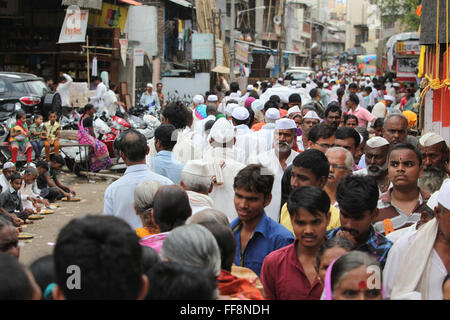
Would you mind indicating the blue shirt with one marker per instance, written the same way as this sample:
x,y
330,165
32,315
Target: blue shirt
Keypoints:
x,y
268,236
166,165
376,245
119,196
151,101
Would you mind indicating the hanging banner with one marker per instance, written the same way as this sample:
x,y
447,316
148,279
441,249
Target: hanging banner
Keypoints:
x,y
74,25
202,46
270,63
123,50
138,57
241,52
219,52
111,16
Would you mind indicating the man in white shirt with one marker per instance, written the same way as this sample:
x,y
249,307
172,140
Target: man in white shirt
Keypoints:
x,y
196,180
8,169
150,99
277,159
265,134
419,262
65,82
110,100
100,90
221,160
120,194
246,139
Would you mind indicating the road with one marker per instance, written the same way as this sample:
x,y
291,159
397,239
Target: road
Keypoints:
x,y
46,231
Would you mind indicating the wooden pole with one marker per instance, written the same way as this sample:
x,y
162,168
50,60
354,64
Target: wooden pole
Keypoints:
x,y
88,66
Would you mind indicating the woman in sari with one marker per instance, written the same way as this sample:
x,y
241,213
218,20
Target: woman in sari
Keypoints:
x,y
19,143
408,101
99,158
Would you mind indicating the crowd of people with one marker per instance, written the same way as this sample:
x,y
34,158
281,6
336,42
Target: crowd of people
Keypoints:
x,y
326,194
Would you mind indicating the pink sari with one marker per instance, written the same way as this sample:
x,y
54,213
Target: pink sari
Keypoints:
x,y
98,159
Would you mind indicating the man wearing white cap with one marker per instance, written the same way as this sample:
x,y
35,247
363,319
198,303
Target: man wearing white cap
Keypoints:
x,y
196,180
309,120
435,155
245,138
265,135
393,91
8,169
376,151
381,109
419,262
197,100
213,98
150,99
277,159
220,157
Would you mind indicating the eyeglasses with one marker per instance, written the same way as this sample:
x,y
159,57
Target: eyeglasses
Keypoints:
x,y
338,166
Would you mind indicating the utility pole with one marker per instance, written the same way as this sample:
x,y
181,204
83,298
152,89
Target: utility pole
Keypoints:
x,y
232,52
280,44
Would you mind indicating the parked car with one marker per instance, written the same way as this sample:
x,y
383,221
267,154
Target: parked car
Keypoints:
x,y
298,74
27,92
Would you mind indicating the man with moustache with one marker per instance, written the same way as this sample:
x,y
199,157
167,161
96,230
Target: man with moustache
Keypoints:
x,y
277,159
309,120
376,152
435,156
333,115
399,206
341,164
357,197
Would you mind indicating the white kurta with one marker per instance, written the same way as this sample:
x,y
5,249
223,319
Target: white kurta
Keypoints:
x,y
223,195
437,273
270,160
246,141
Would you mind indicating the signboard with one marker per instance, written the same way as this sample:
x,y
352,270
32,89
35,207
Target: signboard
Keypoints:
x,y
93,4
407,48
219,52
406,69
74,25
123,50
138,57
202,46
241,51
111,16
142,28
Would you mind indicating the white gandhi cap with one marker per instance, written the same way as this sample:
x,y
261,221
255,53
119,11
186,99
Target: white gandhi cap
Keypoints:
x,y
377,142
197,168
429,139
285,124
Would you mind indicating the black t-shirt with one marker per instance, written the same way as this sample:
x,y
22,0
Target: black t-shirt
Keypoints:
x,y
88,122
41,180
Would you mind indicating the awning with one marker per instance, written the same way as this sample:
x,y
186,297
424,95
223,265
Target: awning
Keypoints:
x,y
132,2
183,3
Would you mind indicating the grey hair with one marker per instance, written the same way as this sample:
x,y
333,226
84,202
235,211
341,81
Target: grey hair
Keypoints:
x,y
209,215
348,262
196,183
31,171
349,161
395,113
193,245
144,194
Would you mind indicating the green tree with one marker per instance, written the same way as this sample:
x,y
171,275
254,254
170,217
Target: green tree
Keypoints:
x,y
399,10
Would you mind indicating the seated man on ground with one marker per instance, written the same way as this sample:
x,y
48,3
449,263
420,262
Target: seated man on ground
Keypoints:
x,y
11,204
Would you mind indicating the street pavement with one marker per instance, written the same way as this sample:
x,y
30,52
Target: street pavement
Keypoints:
x,y
45,231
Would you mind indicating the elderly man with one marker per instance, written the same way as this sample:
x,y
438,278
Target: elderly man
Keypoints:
x,y
399,205
419,262
8,169
341,165
29,192
435,156
196,180
309,120
277,159
120,194
221,159
376,151
150,99
396,129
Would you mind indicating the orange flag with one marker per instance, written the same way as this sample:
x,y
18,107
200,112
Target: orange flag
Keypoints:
x,y
419,10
